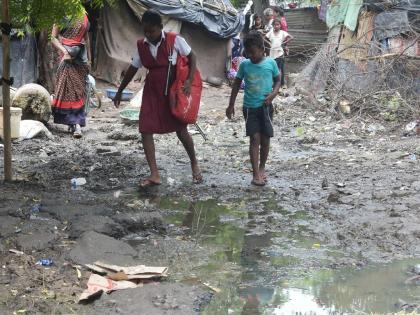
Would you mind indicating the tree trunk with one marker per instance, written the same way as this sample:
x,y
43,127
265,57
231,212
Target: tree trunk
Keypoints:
x,y
260,6
6,95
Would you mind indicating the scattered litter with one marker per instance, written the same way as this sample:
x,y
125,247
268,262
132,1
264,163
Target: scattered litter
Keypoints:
x,y
118,278
78,272
45,262
411,126
344,107
317,245
117,194
412,157
17,252
35,210
171,181
373,128
131,273
217,290
98,284
75,182
290,100
32,128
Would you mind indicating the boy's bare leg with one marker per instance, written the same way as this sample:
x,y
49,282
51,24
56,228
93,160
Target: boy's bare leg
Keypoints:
x,y
254,152
149,151
188,143
264,150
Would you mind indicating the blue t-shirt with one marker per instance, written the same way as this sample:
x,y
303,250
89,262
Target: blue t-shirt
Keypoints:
x,y
258,80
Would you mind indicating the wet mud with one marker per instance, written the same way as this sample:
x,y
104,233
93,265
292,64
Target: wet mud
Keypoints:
x,y
335,231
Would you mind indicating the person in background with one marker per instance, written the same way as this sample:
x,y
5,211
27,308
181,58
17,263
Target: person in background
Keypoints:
x,y
279,13
269,17
155,113
72,42
278,39
237,46
257,24
262,83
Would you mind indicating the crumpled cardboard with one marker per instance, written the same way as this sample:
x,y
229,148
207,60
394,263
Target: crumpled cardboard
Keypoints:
x,y
115,277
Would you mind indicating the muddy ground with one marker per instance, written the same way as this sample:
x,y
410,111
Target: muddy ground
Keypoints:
x,y
350,186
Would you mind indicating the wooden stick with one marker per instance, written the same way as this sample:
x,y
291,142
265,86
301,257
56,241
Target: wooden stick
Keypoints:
x,y
6,96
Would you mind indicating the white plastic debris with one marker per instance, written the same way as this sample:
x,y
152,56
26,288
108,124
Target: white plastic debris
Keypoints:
x,y
32,128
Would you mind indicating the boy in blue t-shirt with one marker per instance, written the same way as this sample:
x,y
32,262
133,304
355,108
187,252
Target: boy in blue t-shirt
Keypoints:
x,y
262,84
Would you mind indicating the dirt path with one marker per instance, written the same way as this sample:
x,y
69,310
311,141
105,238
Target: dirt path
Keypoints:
x,y
341,193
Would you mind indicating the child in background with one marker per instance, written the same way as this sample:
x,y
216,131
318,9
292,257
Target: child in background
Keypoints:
x,y
257,24
278,39
279,14
262,84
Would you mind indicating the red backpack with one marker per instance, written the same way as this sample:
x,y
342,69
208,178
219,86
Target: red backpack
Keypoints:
x,y
184,108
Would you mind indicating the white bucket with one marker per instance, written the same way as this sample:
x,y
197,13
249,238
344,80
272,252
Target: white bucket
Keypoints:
x,y
15,115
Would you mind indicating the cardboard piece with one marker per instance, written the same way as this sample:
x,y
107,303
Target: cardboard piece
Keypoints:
x,y
98,284
128,273
117,278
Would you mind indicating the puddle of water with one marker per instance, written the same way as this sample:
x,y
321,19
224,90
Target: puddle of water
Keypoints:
x,y
267,273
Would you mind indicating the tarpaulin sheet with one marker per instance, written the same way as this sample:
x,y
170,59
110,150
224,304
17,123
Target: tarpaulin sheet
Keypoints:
x,y
23,62
221,24
118,32
381,5
344,11
119,29
390,24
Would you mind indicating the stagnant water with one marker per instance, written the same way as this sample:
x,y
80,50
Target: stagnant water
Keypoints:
x,y
261,270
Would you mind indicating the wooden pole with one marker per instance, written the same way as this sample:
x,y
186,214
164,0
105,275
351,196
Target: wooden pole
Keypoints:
x,y
6,95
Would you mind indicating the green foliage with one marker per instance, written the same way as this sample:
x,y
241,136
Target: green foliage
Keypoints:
x,y
239,3
42,14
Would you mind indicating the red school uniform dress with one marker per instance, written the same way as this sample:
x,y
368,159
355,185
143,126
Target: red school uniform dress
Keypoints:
x,y
155,113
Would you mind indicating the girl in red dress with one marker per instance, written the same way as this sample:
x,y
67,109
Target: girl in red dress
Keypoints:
x,y
155,113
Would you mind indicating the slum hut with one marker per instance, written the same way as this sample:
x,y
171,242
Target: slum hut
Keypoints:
x,y
207,25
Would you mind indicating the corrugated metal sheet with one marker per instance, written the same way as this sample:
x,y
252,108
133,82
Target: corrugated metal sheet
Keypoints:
x,y
308,30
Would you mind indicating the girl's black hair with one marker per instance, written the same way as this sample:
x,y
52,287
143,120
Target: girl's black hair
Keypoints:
x,y
253,39
152,17
279,11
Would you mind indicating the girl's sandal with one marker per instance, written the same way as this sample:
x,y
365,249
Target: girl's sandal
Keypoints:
x,y
77,134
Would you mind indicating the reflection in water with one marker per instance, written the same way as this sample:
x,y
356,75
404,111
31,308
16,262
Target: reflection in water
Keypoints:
x,y
250,267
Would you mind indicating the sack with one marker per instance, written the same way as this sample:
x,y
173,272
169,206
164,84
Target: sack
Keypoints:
x,y
184,108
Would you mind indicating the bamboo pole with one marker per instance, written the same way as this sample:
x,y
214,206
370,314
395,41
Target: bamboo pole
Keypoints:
x,y
6,96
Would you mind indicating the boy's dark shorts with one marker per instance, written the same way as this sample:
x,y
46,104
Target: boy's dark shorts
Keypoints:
x,y
259,120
